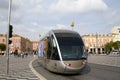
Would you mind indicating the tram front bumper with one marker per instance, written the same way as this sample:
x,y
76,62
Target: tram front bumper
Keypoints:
x,y
71,70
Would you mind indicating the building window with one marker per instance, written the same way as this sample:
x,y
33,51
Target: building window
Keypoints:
x,y
3,40
90,45
94,45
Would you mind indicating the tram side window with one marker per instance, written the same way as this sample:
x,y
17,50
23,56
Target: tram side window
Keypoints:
x,y
55,55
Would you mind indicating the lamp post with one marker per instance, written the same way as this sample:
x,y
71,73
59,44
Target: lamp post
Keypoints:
x,y
96,43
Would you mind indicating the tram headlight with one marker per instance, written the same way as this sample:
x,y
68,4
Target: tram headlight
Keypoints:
x,y
84,62
68,64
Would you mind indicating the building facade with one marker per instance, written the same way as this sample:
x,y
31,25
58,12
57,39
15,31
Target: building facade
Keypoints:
x,y
19,43
95,42
2,41
115,31
2,38
35,45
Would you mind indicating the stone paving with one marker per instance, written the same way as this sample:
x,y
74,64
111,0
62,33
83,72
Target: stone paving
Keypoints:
x,y
18,68
110,60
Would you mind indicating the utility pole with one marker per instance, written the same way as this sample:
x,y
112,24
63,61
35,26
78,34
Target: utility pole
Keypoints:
x,y
7,48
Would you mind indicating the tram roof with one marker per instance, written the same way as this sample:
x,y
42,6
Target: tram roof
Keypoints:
x,y
63,31
59,31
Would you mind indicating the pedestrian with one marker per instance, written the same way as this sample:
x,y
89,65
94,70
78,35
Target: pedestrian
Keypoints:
x,y
26,54
16,53
22,54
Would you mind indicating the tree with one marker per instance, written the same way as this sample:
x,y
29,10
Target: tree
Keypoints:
x,y
112,45
108,46
2,47
116,45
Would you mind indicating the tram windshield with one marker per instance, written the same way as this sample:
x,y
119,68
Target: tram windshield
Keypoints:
x,y
71,46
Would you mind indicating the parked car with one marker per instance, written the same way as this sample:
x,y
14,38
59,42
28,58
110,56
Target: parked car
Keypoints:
x,y
115,52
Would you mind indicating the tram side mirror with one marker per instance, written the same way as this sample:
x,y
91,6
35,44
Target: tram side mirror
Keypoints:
x,y
84,56
47,37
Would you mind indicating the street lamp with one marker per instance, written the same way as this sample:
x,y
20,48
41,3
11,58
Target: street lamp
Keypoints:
x,y
73,24
39,35
96,43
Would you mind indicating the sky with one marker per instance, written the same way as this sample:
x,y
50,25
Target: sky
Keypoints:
x,y
31,18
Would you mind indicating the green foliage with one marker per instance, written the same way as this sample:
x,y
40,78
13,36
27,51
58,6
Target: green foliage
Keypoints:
x,y
108,46
2,47
115,45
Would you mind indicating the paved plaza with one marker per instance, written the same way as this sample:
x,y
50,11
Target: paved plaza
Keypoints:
x,y
18,68
110,60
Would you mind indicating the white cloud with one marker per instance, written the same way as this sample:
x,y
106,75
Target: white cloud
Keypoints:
x,y
37,9
61,26
26,31
32,7
58,26
78,6
34,23
33,17
3,27
113,17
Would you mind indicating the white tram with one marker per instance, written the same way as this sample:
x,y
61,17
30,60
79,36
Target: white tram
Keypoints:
x,y
62,51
